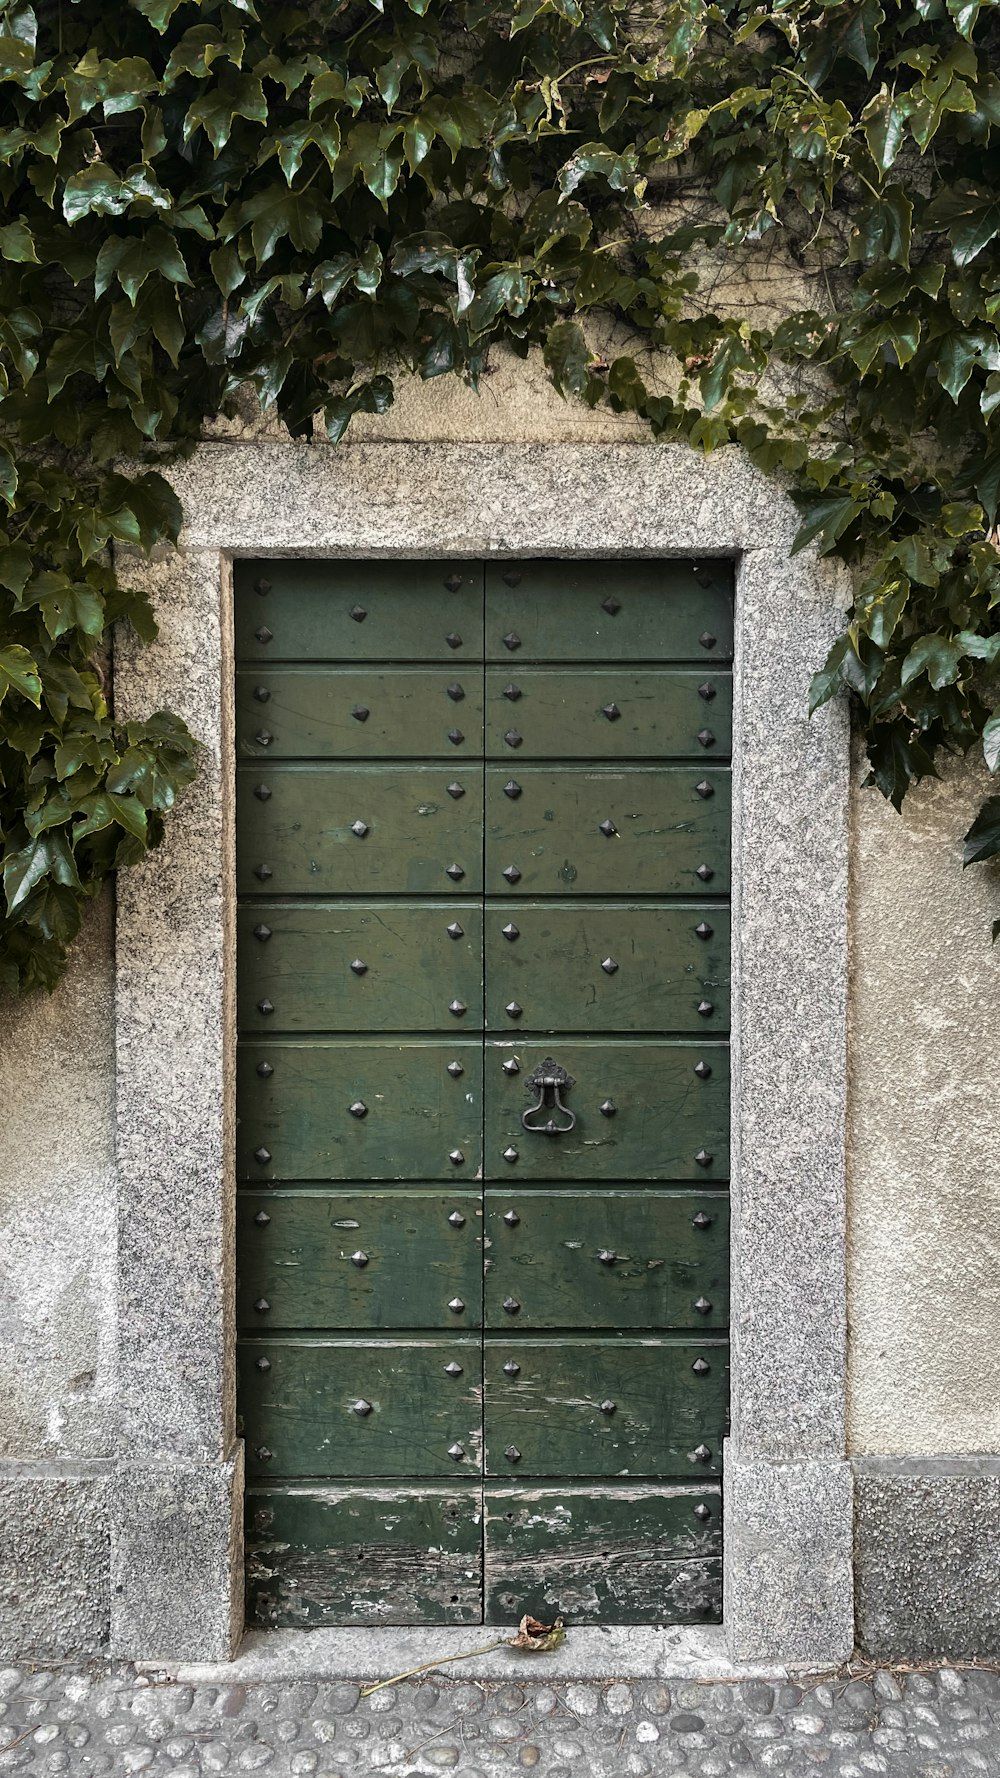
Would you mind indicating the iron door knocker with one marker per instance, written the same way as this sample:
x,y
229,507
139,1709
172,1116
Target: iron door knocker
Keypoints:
x,y
549,1081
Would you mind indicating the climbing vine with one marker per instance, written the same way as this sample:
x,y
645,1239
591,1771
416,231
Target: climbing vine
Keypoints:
x,y
308,200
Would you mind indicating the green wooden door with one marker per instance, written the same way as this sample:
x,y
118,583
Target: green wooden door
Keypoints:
x,y
483,864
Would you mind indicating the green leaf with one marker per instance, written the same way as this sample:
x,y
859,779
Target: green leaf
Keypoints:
x,y
983,838
885,124
215,111
271,215
17,243
48,855
155,252
568,357
988,484
19,672
991,743
825,517
8,475
937,656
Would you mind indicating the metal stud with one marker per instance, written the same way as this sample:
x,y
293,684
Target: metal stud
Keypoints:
x,y
453,639
609,1407
512,1368
361,1407
703,930
262,586
265,1006
512,576
262,1305
262,792
263,1453
706,737
456,692
263,872
359,1259
703,1158
701,1221
359,967
706,692
606,1257
512,789
456,737
457,1008
453,1369
705,872
703,1306
705,789
511,1306
262,1156
512,693
513,1009
264,634
611,605
263,1364
706,640
513,737
511,1218
262,933
611,711
457,1453
358,1108
512,1454
702,1512
701,574
512,874
456,1305
456,790
609,966
455,872
701,1454
607,1108
261,693
359,829
702,1070
608,829
358,613
511,932
453,583
456,1157
701,1367
456,1070
262,1219
512,1065
361,712
263,737
455,930
265,1070
457,1220
705,1009
512,641
510,1154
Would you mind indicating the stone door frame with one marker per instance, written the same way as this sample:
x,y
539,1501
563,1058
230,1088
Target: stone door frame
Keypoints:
x,y
177,1556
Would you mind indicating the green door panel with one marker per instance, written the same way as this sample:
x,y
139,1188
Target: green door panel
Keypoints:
x,y
581,966
410,832
555,611
358,1259
663,1114
605,713
409,613
418,960
379,1408
550,832
592,1407
296,1121
363,1555
604,1555
608,1258
319,713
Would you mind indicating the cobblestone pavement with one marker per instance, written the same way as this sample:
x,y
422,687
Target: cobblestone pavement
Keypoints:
x,y
94,1719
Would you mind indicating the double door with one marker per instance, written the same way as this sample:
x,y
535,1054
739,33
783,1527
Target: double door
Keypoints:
x,y
482,1099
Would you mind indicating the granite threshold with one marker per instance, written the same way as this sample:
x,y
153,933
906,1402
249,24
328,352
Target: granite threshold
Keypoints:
x,y
595,1652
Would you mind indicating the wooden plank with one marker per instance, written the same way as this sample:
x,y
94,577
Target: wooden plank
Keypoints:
x,y
300,1410
316,713
669,967
556,611
606,1258
420,959
660,1413
664,1113
603,1555
303,834
362,1259
662,830
409,611
402,1555
608,712
417,1113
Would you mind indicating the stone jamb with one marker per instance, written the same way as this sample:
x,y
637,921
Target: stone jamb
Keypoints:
x,y
177,1554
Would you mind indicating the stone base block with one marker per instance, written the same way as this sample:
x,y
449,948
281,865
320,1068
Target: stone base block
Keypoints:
x,y
53,1560
928,1557
177,1560
788,1592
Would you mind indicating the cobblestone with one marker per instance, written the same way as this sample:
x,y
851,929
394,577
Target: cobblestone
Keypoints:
x,y
98,1720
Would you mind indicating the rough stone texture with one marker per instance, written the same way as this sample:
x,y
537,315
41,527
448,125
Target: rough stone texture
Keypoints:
x,y
928,1557
177,1559
787,1579
53,1559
